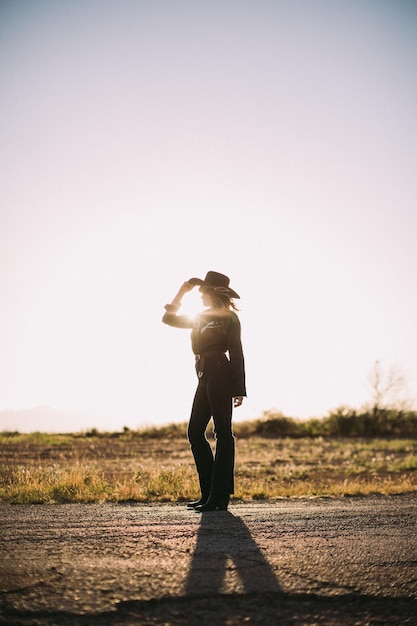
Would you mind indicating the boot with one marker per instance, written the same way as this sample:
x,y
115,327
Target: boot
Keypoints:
x,y
214,503
194,503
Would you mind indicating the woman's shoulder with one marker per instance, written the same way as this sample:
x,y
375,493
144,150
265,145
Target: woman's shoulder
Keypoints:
x,y
234,319
231,323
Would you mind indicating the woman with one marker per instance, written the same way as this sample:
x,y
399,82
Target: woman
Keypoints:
x,y
216,343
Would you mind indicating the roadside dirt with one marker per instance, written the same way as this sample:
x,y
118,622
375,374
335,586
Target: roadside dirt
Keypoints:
x,y
288,562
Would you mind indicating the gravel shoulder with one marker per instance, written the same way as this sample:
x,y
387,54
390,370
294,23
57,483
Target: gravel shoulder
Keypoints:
x,y
307,561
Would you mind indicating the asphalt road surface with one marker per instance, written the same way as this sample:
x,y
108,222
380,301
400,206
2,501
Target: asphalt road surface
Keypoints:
x,y
349,561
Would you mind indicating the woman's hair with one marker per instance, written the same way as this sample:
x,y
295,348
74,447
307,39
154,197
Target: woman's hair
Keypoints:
x,y
221,301
222,306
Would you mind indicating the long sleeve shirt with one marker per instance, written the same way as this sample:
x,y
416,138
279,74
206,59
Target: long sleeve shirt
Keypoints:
x,y
213,333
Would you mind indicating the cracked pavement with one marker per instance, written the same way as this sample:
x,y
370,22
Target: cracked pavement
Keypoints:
x,y
307,561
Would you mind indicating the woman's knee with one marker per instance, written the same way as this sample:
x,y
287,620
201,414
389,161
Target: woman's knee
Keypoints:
x,y
223,431
196,434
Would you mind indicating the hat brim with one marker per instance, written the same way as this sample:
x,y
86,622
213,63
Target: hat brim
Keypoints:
x,y
226,290
232,293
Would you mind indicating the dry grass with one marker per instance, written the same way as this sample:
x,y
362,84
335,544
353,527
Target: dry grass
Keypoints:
x,y
158,466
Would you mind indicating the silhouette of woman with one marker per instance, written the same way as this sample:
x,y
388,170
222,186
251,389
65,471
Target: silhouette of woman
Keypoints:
x,y
216,343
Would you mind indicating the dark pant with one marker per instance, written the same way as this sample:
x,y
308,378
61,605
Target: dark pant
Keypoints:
x,y
213,399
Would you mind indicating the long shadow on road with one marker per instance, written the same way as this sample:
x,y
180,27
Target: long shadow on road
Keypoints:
x,y
225,549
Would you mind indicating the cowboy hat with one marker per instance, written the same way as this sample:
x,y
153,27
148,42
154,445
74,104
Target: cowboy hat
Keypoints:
x,y
216,281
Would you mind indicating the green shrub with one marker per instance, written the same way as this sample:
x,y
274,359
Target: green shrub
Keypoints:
x,y
347,422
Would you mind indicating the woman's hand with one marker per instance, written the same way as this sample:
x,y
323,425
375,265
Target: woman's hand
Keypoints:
x,y
187,287
237,401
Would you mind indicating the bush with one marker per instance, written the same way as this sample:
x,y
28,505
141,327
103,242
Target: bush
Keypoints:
x,y
343,421
347,422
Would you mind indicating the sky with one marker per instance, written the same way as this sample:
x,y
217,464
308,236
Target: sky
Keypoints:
x,y
145,142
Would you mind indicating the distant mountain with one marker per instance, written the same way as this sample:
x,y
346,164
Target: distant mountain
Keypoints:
x,y
46,419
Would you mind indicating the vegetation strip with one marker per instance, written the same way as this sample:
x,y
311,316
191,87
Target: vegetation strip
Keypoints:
x,y
275,459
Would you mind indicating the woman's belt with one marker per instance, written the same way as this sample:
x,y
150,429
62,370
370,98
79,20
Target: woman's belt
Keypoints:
x,y
201,358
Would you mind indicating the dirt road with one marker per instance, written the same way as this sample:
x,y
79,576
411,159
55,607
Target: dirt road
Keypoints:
x,y
320,561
